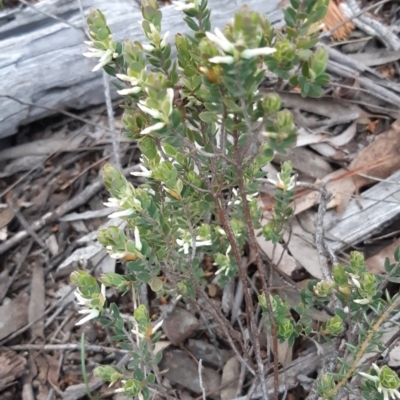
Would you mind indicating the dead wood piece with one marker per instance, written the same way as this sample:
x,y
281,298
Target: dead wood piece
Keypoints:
x,y
303,365
12,367
380,205
33,44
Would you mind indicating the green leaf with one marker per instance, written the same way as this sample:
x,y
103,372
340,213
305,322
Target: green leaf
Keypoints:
x,y
191,24
290,17
315,91
295,4
322,79
339,312
208,116
397,254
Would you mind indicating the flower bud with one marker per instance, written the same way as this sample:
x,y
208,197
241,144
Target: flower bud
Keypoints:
x,y
272,103
333,326
324,288
285,329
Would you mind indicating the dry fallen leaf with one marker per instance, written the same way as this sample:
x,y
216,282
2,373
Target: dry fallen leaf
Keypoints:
x,y
13,315
37,300
12,366
383,155
376,263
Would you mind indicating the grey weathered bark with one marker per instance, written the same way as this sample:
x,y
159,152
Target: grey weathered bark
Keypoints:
x,y
41,58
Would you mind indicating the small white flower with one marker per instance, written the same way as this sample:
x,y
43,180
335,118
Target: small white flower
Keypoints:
x,y
185,242
148,47
261,51
184,246
393,393
145,172
221,41
182,6
104,60
94,313
83,301
133,90
133,81
154,113
138,243
123,213
94,53
363,301
153,128
112,203
164,40
170,95
222,60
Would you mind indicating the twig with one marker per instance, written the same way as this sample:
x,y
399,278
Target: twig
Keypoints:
x,y
319,226
349,19
66,113
50,15
203,391
78,200
66,346
371,25
10,281
111,122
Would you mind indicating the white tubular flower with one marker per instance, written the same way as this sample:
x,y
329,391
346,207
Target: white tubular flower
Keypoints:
x,y
133,90
262,51
123,213
133,81
145,172
222,60
104,60
164,40
154,113
94,53
363,301
182,6
227,47
152,128
184,246
387,382
89,310
92,314
221,41
148,47
112,202
170,95
185,242
138,243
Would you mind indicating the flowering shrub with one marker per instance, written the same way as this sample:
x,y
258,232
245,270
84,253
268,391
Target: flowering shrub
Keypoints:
x,y
205,132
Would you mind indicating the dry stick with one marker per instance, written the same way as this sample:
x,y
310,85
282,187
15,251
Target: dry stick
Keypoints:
x,y
388,37
259,262
349,19
111,122
331,361
66,113
80,199
66,346
203,390
24,254
50,15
